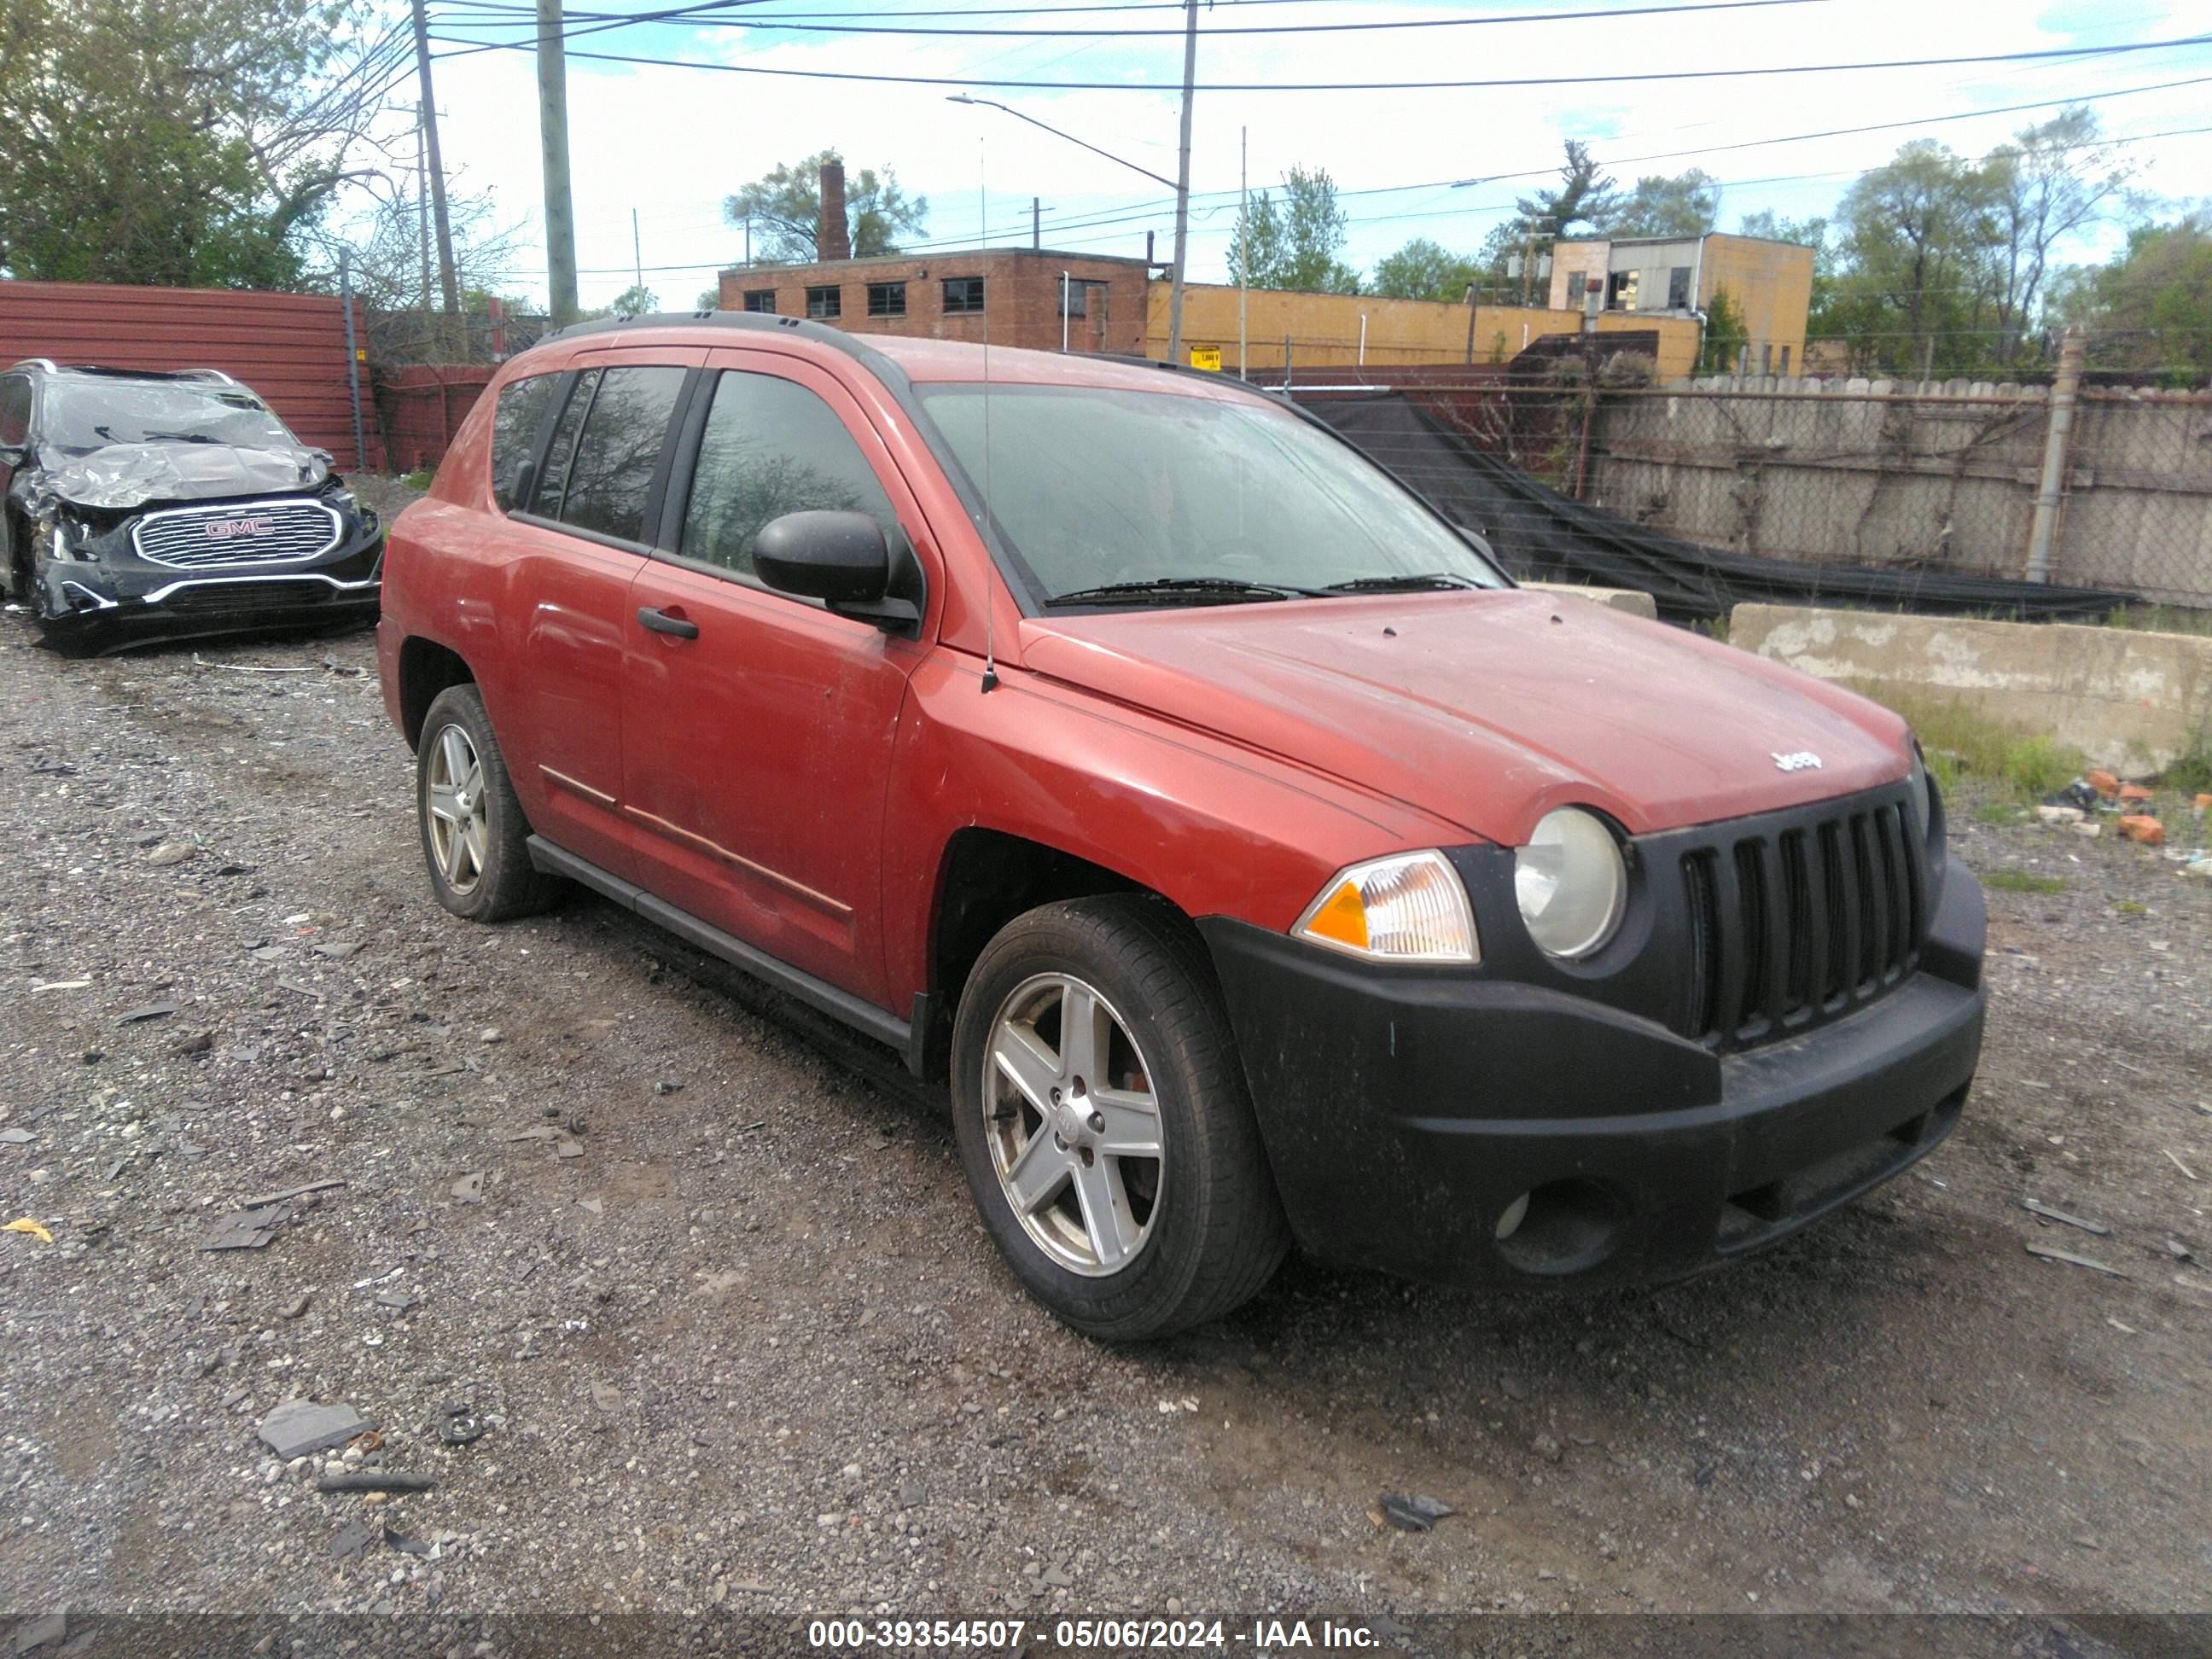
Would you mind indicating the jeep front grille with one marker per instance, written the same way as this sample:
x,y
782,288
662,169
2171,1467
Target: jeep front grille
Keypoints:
x,y
1796,923
289,531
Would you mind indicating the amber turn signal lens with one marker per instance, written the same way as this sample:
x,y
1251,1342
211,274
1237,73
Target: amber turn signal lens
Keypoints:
x,y
1410,906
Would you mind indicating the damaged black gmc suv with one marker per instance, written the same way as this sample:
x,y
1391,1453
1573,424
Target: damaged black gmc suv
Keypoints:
x,y
142,507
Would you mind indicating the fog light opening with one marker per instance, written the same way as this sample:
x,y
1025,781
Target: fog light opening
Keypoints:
x,y
1561,1227
1509,1221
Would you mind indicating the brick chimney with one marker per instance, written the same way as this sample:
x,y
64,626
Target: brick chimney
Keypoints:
x,y
832,241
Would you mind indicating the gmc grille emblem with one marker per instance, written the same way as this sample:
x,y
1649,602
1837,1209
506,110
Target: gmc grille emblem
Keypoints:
x,y
1803,759
221,530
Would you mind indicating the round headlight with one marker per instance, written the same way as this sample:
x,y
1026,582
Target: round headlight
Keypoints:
x,y
1571,883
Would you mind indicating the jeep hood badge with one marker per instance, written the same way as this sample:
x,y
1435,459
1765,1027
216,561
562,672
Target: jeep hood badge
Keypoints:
x,y
1802,760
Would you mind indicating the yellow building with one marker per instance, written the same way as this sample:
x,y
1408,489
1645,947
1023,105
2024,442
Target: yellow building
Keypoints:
x,y
1769,285
1340,329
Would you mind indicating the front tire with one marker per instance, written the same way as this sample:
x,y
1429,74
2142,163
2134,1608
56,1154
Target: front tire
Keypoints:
x,y
475,838
1103,1124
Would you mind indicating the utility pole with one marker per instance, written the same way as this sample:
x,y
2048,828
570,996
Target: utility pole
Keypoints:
x,y
1037,226
448,286
422,217
2051,485
1182,183
636,249
553,144
1243,241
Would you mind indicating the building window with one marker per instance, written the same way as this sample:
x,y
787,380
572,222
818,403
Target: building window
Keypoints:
x,y
1678,288
1785,359
826,302
760,299
887,299
1765,359
1074,299
1621,291
964,294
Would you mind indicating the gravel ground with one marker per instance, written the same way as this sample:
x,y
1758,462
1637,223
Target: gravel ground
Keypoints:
x,y
715,1296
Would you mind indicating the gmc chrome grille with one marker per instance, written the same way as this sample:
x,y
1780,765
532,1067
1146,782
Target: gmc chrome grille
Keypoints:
x,y
1796,924
238,533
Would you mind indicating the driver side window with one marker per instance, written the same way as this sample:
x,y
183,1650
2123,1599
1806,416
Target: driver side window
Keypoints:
x,y
14,409
771,446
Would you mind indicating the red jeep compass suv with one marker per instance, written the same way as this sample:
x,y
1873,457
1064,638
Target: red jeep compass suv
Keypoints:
x,y
1255,861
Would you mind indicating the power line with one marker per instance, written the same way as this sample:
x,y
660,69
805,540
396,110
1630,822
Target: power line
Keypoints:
x,y
466,48
772,22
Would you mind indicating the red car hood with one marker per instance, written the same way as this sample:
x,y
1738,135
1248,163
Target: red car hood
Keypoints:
x,y
1487,710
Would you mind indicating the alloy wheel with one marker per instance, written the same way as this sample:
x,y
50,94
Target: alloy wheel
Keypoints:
x,y
1072,1124
456,802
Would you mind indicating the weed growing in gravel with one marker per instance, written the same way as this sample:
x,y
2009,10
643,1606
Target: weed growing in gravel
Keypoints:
x,y
1959,740
2020,881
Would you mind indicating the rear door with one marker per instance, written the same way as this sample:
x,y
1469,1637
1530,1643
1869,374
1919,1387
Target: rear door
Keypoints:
x,y
575,545
757,738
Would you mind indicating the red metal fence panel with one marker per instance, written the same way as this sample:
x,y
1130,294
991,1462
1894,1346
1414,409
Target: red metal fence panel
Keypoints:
x,y
290,348
421,406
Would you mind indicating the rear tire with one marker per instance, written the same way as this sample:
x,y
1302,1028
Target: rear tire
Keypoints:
x,y
475,838
1089,1031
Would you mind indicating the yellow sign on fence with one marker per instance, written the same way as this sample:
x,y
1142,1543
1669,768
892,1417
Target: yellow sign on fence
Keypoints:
x,y
1207,357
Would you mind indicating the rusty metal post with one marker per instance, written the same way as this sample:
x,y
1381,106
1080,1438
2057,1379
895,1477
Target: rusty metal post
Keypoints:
x,y
2057,443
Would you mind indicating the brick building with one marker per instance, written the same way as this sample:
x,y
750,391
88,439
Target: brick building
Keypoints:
x,y
1013,292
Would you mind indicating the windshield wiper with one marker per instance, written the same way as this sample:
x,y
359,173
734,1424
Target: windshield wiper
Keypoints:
x,y
179,438
1420,582
1169,587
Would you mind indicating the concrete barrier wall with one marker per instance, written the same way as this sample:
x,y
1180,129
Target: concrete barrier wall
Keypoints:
x,y
2133,700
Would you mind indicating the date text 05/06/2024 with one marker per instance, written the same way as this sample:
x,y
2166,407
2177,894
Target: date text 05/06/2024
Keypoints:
x,y
1256,1635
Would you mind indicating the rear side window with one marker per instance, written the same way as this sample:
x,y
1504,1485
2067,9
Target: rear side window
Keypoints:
x,y
553,477
14,408
620,445
771,447
522,409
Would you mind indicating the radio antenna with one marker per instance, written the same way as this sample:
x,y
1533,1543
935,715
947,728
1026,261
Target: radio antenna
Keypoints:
x,y
990,591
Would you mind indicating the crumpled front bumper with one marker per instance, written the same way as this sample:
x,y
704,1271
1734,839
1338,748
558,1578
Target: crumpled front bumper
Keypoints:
x,y
115,598
1407,1113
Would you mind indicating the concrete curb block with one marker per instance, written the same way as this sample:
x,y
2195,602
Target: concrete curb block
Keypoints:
x,y
2133,700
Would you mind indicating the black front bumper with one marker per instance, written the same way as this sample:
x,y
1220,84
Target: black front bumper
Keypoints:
x,y
1405,1111
115,600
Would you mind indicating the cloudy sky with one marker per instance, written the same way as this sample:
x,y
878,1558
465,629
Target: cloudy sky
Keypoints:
x,y
671,142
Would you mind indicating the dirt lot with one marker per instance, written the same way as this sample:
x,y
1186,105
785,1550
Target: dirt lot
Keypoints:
x,y
736,1341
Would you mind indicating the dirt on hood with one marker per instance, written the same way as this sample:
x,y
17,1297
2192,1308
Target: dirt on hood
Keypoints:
x,y
146,475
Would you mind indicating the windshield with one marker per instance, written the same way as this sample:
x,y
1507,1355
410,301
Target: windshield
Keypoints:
x,y
1164,498
91,414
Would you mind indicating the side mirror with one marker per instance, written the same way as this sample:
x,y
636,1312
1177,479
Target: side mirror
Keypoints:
x,y
14,454
842,559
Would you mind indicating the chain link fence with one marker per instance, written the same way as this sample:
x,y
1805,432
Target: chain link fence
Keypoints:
x,y
1931,483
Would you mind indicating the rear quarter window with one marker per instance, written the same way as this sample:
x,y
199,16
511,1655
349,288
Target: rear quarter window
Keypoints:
x,y
523,405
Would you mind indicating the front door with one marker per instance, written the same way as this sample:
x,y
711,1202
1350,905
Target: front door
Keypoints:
x,y
759,728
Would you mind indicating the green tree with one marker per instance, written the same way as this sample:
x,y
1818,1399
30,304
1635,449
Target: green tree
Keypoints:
x,y
2150,309
1686,205
1297,244
1915,241
784,206
1423,269
1725,335
2050,183
180,142
637,300
1517,249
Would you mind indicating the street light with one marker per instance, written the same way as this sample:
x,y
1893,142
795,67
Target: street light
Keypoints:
x,y
993,103
1182,191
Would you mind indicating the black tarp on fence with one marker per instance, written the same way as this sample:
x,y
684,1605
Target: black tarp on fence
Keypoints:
x,y
1542,536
